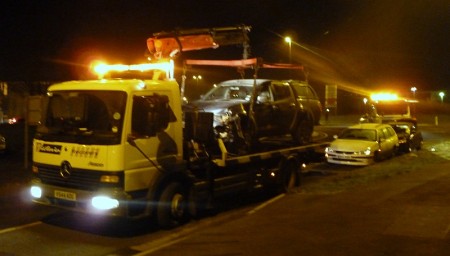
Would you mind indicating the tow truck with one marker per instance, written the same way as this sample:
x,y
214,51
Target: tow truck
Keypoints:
x,y
385,107
125,147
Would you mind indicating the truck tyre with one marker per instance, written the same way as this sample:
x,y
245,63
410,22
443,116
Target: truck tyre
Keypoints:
x,y
290,177
172,208
303,131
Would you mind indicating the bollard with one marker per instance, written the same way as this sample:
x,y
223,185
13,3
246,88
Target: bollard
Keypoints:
x,y
436,120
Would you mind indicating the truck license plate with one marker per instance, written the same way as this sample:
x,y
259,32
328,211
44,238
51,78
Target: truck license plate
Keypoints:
x,y
65,195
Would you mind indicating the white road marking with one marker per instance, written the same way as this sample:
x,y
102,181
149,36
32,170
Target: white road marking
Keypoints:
x,y
259,207
11,229
156,245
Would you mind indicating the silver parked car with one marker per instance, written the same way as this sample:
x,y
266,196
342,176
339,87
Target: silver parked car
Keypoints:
x,y
363,144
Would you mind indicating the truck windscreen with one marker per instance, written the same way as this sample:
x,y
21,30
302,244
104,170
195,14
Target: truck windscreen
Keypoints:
x,y
85,117
397,108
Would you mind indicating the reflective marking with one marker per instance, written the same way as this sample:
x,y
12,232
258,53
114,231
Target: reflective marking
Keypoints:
x,y
6,230
259,207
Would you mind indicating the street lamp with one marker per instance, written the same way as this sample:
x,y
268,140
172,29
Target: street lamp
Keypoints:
x,y
413,90
442,94
196,78
289,41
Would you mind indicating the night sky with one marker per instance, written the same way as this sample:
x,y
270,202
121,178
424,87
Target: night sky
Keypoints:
x,y
372,44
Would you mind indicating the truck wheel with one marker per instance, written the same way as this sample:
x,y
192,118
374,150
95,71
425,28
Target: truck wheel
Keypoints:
x,y
290,179
172,208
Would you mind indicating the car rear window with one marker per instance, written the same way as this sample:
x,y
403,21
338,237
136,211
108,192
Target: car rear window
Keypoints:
x,y
304,91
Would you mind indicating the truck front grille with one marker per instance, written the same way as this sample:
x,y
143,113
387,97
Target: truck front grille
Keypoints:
x,y
78,178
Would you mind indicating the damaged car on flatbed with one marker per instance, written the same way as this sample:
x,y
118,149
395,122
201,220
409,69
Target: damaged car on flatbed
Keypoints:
x,y
247,110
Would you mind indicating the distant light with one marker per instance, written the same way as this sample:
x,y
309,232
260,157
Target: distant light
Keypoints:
x,y
442,94
288,40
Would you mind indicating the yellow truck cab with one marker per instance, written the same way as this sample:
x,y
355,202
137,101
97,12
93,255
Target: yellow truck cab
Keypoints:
x,y
82,156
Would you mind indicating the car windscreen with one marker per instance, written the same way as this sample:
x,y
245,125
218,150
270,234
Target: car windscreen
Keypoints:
x,y
229,93
359,134
400,108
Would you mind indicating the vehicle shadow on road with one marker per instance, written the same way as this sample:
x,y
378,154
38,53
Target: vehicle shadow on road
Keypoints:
x,y
101,225
120,227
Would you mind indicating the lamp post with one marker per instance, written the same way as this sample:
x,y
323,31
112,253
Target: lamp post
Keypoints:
x,y
413,90
289,41
442,94
196,78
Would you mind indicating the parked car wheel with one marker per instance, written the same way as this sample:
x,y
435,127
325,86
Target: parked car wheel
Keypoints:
x,y
376,157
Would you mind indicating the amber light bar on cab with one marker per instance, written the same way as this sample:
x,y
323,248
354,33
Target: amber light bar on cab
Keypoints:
x,y
101,69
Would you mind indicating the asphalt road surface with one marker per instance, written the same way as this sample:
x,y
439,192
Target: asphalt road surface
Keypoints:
x,y
395,207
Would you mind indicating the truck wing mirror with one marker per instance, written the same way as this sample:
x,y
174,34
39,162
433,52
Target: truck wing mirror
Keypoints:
x,y
151,114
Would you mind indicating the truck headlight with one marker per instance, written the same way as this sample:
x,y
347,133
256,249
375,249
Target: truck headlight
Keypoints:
x,y
104,202
36,192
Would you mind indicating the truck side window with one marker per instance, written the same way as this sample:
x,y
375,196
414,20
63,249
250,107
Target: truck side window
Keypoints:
x,y
139,116
151,114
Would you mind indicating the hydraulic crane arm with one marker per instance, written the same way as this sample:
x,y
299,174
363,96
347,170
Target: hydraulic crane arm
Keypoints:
x,y
170,44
